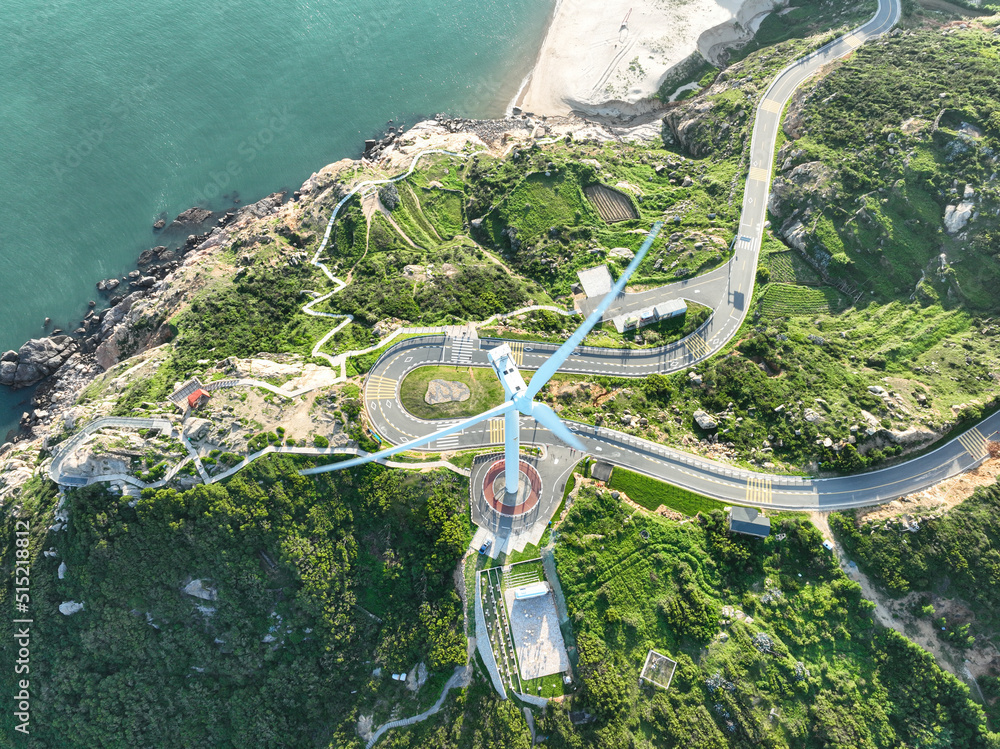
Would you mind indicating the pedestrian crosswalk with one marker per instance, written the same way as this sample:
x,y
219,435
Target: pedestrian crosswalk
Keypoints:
x,y
770,105
448,443
758,490
379,388
974,443
517,352
461,350
759,174
853,42
496,431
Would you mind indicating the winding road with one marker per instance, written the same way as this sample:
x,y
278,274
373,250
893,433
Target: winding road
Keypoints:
x,y
727,290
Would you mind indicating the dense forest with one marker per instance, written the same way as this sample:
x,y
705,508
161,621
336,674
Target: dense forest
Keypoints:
x,y
774,646
317,583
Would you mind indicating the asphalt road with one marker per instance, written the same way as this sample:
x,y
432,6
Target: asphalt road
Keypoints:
x,y
727,290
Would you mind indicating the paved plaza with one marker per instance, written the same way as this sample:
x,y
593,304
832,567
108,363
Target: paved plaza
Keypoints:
x,y
534,625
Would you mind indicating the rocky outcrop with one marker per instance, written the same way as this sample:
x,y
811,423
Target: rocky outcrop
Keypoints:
x,y
68,608
806,182
446,391
36,360
190,218
199,589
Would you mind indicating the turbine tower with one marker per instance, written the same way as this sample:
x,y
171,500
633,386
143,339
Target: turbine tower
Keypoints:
x,y
519,396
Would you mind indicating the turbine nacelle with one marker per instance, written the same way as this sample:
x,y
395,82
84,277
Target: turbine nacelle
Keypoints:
x,y
506,370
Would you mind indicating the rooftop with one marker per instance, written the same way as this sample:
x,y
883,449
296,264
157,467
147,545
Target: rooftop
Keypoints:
x,y
596,282
748,521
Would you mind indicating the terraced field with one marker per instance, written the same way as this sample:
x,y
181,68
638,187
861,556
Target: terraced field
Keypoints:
x,y
613,206
787,300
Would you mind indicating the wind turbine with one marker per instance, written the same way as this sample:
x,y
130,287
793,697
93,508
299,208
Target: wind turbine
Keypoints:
x,y
519,396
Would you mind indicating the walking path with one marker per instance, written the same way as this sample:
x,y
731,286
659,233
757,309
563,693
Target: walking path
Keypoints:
x,y
59,476
461,678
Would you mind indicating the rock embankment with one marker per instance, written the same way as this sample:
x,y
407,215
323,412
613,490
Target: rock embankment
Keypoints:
x,y
35,360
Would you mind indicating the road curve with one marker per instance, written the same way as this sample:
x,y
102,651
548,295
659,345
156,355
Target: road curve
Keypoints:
x,y
731,287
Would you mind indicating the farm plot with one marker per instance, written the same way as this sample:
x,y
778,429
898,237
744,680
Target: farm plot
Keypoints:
x,y
786,300
612,205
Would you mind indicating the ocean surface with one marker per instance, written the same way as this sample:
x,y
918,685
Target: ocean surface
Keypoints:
x,y
114,114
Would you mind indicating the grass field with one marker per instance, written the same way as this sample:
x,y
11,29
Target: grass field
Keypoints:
x,y
483,384
651,493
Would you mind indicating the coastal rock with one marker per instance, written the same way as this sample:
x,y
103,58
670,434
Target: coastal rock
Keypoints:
x,y
704,421
36,360
191,217
159,224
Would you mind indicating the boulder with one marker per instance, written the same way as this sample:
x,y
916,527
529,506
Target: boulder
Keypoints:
x,y
68,608
159,224
812,417
198,589
704,421
957,216
62,570
196,429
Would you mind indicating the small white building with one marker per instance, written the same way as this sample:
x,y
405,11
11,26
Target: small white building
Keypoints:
x,y
649,315
535,590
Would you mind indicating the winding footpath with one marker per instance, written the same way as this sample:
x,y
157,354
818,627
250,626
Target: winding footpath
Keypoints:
x,y
728,290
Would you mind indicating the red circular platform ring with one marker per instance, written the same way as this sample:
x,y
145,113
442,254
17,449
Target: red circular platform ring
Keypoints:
x,y
527,497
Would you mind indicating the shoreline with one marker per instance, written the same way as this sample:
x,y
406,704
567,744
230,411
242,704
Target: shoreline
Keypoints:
x,y
610,58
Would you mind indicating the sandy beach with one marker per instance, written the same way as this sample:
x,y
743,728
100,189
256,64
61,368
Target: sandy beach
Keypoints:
x,y
610,56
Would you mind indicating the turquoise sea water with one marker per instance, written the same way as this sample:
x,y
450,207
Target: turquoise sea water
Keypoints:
x,y
113,113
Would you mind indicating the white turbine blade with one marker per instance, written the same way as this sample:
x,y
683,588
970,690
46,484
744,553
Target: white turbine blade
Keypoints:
x,y
555,361
426,439
549,419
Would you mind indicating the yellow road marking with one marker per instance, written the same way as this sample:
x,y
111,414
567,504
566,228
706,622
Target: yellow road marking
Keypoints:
x,y
496,431
759,490
770,105
759,173
378,388
853,42
517,352
974,443
697,346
